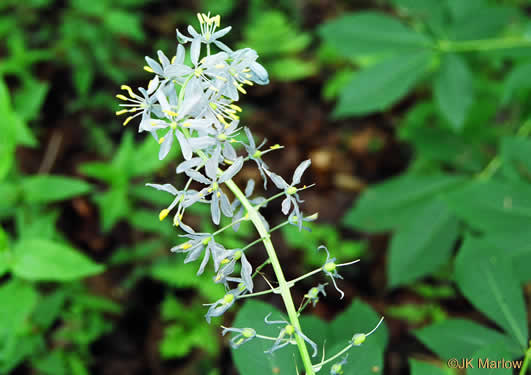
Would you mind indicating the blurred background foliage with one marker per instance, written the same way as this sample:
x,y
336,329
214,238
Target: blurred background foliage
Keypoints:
x,y
416,114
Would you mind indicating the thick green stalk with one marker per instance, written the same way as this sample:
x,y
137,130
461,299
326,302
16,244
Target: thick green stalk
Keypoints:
x,y
283,284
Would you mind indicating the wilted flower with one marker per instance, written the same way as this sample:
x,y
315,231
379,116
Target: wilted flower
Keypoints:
x,y
219,307
330,269
289,331
313,293
243,335
337,368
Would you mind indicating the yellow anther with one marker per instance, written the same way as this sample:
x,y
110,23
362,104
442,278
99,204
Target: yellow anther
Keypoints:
x,y
170,113
235,107
186,124
214,88
233,116
227,161
247,82
127,120
163,214
122,97
219,66
233,140
221,78
173,59
161,139
198,72
246,70
221,119
241,89
200,18
128,89
224,261
219,194
118,113
275,147
186,246
148,69
248,75
218,20
213,105
217,278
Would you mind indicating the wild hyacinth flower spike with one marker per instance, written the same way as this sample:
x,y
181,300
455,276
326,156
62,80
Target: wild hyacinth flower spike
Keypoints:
x,y
194,104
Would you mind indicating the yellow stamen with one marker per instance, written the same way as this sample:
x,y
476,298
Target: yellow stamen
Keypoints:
x,y
275,147
118,113
234,106
218,20
127,120
171,113
200,18
247,82
122,97
163,214
148,69
186,124
219,66
128,89
173,59
222,120
161,139
186,246
240,88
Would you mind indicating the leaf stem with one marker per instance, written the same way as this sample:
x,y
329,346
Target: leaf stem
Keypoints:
x,y
527,358
482,44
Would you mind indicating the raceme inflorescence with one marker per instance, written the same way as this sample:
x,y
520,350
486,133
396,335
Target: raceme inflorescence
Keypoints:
x,y
191,100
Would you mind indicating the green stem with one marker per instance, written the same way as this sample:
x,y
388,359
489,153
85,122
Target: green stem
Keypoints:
x,y
527,358
496,162
482,44
283,285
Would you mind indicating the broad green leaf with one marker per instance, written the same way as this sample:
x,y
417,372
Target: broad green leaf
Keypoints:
x,y
45,189
516,157
359,318
518,79
183,276
433,12
37,259
365,33
378,87
291,68
393,203
125,23
100,170
494,360
522,265
482,23
454,90
52,363
425,368
484,274
49,308
460,9
422,245
145,161
250,358
18,302
499,209
29,100
458,338
114,205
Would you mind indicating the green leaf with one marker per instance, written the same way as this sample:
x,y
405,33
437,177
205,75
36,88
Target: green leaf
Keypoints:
x,y
459,338
516,157
114,205
498,208
454,90
125,23
365,33
486,361
397,201
29,100
145,161
100,170
482,22
518,79
45,189
359,318
291,68
425,368
250,358
484,275
380,86
37,259
18,302
422,245
522,265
